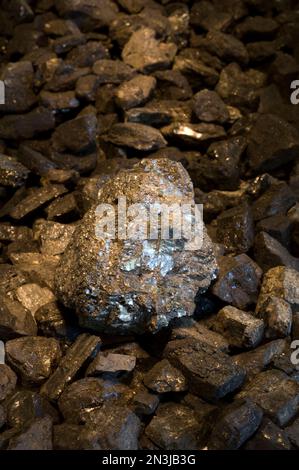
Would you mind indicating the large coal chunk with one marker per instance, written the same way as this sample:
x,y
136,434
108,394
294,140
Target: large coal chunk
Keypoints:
x,y
15,320
269,437
26,126
36,436
18,81
163,378
137,136
280,282
129,285
211,373
273,143
77,136
33,357
235,229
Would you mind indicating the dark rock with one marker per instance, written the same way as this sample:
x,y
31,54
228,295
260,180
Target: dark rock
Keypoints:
x,y
279,227
24,406
145,403
209,17
113,71
172,85
269,437
2,417
241,329
26,126
52,236
40,267
34,161
50,320
188,328
135,92
275,393
239,88
134,310
77,135
261,51
36,199
12,233
15,320
64,77
36,436
67,43
270,253
235,229
163,378
59,101
196,71
60,176
18,80
111,363
32,296
257,27
293,433
63,209
87,54
12,172
211,374
174,427
238,281
160,112
81,164
274,201
226,47
8,381
87,86
257,360
277,314
147,54
273,143
209,107
193,134
34,357
137,136
58,27
89,14
237,424
76,356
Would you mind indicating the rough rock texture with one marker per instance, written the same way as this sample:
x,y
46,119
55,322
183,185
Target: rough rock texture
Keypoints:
x,y
149,274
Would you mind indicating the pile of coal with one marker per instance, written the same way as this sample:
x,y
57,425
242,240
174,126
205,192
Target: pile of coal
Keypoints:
x,y
177,345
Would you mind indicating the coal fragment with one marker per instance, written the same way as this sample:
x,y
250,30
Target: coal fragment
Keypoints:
x,y
211,374
40,266
241,329
270,253
147,54
164,378
113,71
237,424
59,101
63,209
8,381
87,54
77,135
75,357
235,229
188,328
50,321
36,436
196,71
15,320
18,80
34,160
137,136
2,417
90,14
257,27
275,393
280,282
209,107
135,92
26,126
145,403
277,226
174,427
277,199
238,281
111,363
172,85
36,199
34,357
226,47
277,314
292,432
33,297
12,173
133,310
193,134
208,16
269,437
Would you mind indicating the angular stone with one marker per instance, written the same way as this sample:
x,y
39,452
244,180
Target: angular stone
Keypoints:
x,y
145,403
63,209
53,237
238,281
18,80
188,328
226,47
241,329
174,427
50,320
278,227
273,143
137,136
160,112
36,436
237,424
15,320
26,126
275,393
64,77
145,53
270,253
274,201
257,27
111,363
211,374
209,107
58,27
135,92
239,88
269,437
33,297
34,161
59,101
76,356
40,267
34,357
113,71
138,308
8,381
77,135
164,378
11,233
2,417
12,173
261,51
235,229
24,406
67,43
36,199
193,134
196,71
91,13
277,314
293,433
173,85
87,54
210,17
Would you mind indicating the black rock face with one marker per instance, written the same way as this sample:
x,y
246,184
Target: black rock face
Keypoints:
x,y
125,344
